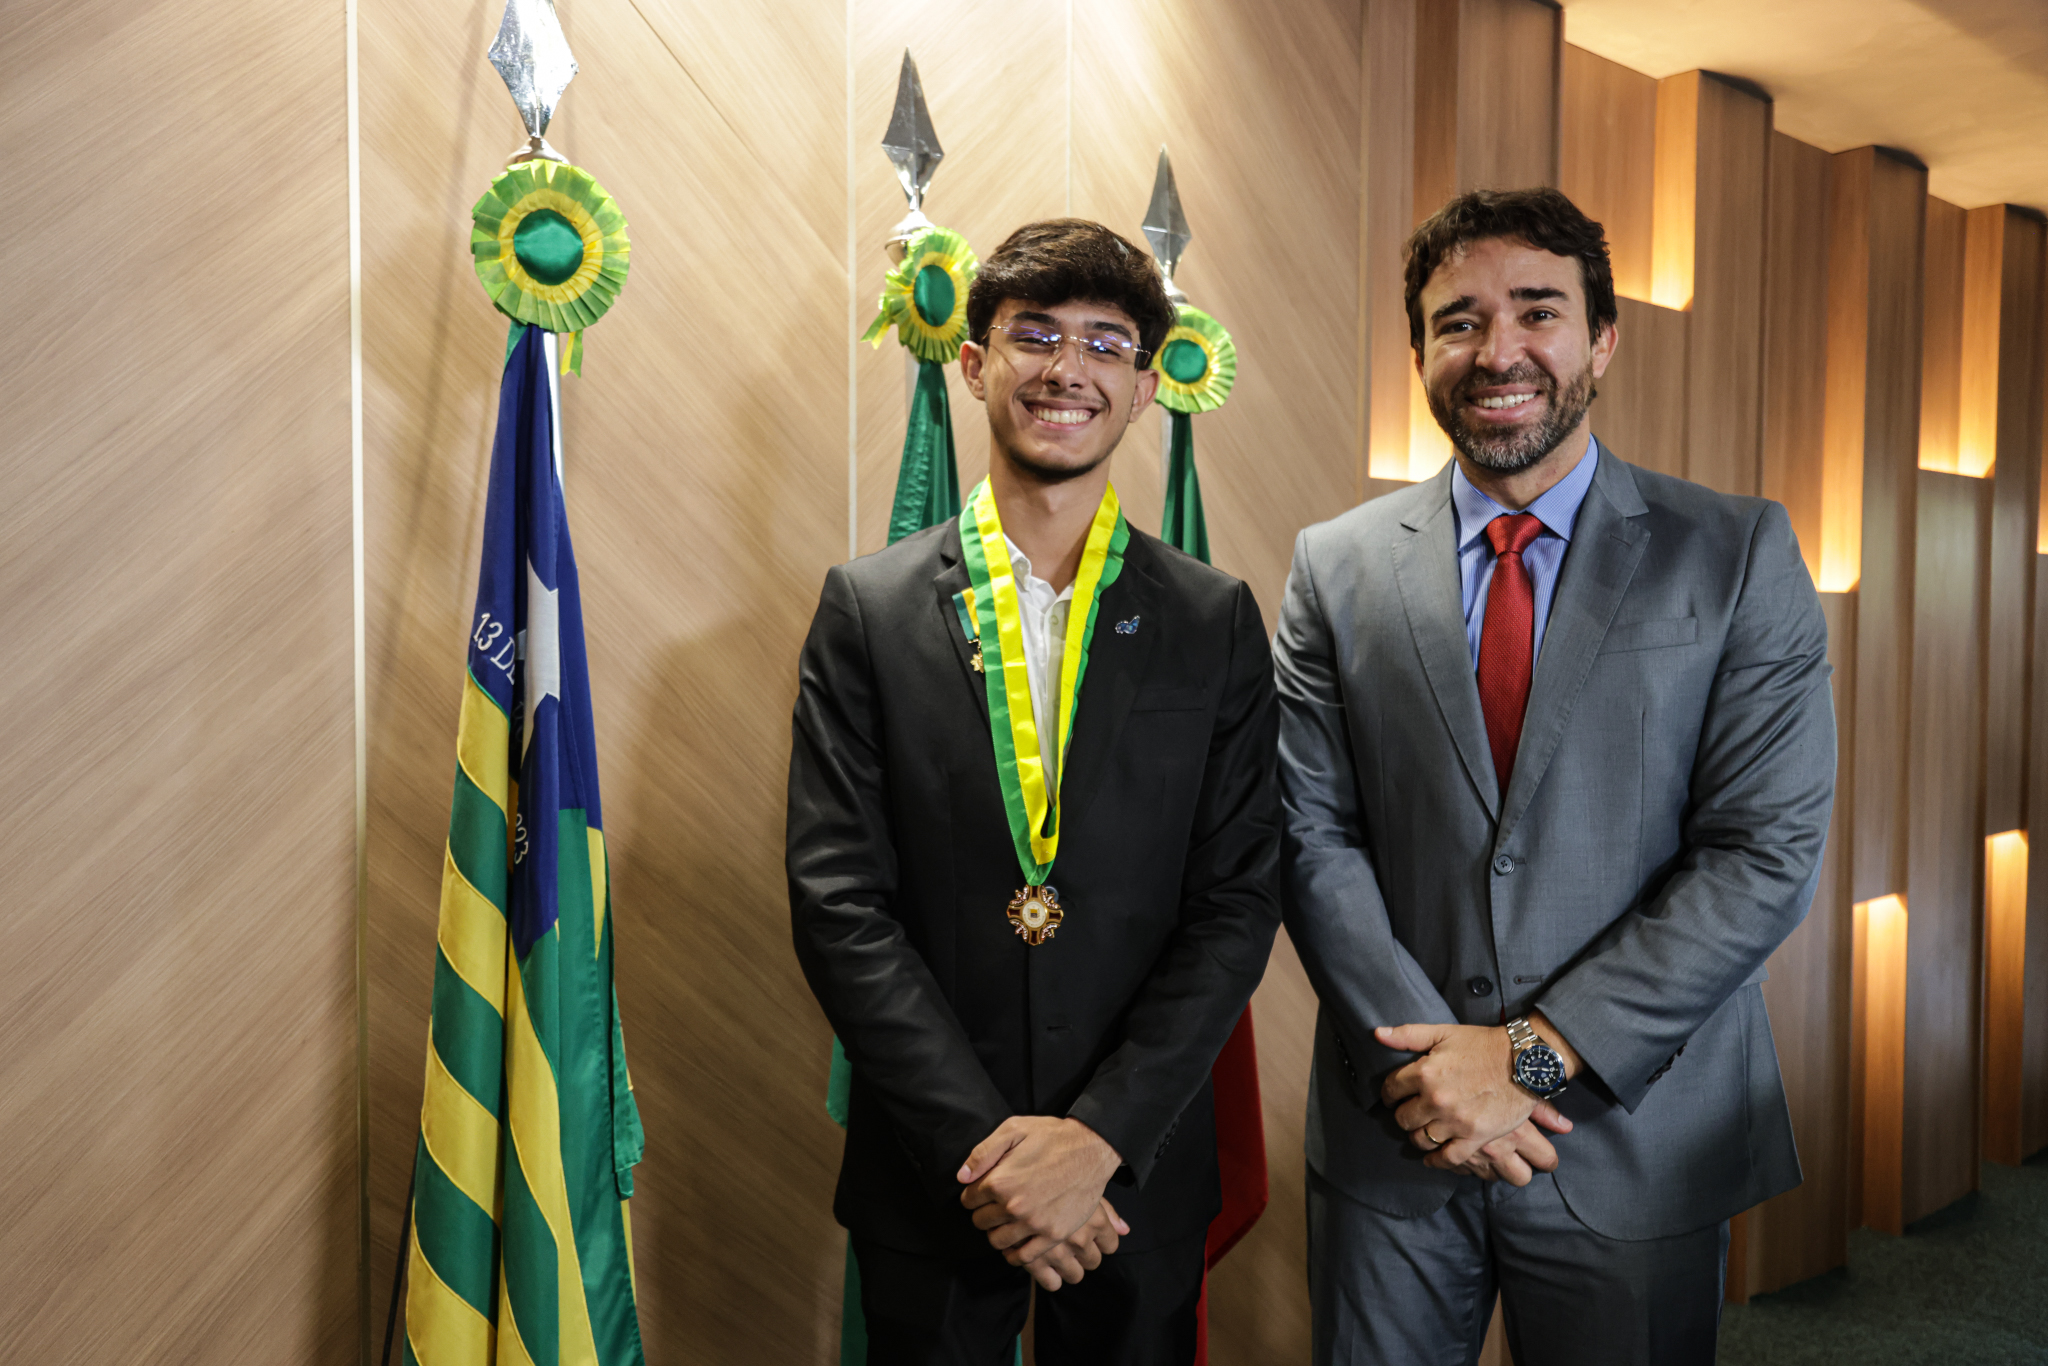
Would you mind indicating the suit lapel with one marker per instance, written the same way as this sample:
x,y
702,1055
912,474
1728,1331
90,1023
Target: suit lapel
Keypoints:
x,y
1116,666
951,580
1607,544
1426,568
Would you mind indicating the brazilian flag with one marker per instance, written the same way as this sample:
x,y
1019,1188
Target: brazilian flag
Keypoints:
x,y
521,1240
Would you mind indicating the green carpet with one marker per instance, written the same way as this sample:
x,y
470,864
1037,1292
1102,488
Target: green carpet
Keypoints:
x,y
1966,1285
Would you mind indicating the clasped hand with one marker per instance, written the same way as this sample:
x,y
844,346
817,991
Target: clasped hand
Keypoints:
x,y
1035,1188
1460,1104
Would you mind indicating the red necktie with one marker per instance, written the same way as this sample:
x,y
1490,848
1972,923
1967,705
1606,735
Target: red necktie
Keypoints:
x,y
1507,639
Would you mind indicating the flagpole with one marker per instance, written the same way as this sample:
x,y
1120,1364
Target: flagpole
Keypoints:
x,y
1166,230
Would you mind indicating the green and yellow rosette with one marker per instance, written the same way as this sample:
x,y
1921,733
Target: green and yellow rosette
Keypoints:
x,y
1197,364
551,248
925,297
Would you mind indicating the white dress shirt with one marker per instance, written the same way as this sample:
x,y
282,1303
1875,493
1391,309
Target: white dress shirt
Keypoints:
x,y
1045,652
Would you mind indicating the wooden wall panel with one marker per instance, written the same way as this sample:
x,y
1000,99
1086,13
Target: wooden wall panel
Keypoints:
x,y
1875,220
1945,839
1794,349
1279,455
177,1022
1724,366
1486,97
1640,411
1805,1231
1607,154
706,467
2034,1030
2009,246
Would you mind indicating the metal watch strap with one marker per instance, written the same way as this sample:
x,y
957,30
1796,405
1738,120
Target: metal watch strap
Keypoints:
x,y
1521,1035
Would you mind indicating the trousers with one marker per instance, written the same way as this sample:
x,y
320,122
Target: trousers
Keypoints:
x,y
1136,1309
1386,1291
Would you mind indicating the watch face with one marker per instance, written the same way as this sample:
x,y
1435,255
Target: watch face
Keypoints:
x,y
1539,1068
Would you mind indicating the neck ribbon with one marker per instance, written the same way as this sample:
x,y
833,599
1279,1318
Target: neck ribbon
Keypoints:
x,y
1033,805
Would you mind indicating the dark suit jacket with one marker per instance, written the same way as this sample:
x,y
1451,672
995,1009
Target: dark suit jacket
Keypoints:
x,y
1659,836
901,868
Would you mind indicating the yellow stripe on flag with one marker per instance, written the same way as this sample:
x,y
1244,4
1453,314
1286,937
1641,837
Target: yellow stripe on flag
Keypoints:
x,y
632,1268
441,1326
472,934
511,1349
598,873
461,1136
536,1120
483,745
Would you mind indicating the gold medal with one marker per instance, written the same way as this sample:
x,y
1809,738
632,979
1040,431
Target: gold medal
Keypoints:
x,y
1036,913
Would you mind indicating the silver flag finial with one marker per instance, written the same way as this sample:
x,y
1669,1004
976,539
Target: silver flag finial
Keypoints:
x,y
533,56
913,149
1166,227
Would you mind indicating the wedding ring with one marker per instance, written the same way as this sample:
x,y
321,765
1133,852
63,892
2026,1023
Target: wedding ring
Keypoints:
x,y
1434,1141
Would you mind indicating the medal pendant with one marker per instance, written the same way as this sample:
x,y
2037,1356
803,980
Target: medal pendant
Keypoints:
x,y
1036,913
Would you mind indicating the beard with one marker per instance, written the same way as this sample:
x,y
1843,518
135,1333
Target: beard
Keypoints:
x,y
1509,452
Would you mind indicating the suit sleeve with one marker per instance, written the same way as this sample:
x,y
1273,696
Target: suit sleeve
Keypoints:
x,y
898,1030
1229,912
1762,786
1335,913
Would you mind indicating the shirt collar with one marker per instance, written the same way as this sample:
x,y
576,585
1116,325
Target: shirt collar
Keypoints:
x,y
1027,579
1557,509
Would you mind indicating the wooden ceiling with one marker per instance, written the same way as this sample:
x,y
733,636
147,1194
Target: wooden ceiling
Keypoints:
x,y
1961,84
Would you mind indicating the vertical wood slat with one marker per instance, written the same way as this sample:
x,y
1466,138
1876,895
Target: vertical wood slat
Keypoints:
x,y
1941,363
1637,411
1607,151
1724,365
1805,1231
1871,438
1877,1062
2033,1118
1945,840
1795,330
2015,271
1387,215
2005,962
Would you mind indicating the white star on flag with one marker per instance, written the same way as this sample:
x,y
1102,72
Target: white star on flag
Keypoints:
x,y
543,636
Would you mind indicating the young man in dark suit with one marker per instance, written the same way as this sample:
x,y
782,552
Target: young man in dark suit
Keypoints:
x,y
1032,848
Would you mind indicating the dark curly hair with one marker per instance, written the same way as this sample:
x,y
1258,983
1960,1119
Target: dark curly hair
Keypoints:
x,y
1060,260
1543,218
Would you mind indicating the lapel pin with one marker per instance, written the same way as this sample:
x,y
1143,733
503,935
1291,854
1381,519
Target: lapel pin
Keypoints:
x,y
1127,628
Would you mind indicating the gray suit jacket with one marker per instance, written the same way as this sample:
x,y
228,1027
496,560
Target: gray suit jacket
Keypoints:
x,y
1660,837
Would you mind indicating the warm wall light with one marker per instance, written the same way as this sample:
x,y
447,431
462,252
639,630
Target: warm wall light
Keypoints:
x,y
1674,190
1877,1005
2005,980
1428,448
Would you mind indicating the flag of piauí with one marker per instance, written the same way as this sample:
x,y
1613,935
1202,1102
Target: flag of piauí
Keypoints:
x,y
528,1133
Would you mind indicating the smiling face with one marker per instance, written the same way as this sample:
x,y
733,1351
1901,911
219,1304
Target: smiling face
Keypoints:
x,y
1057,417
1508,360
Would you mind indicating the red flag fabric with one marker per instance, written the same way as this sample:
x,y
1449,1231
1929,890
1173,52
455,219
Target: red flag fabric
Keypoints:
x,y
1240,1157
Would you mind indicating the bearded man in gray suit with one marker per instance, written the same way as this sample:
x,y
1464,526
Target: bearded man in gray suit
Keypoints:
x,y
1557,752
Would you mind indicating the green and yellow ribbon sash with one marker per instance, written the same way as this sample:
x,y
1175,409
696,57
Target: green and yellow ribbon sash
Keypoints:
x,y
1032,803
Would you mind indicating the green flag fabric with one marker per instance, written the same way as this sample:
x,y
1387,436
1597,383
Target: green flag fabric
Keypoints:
x,y
928,480
1182,524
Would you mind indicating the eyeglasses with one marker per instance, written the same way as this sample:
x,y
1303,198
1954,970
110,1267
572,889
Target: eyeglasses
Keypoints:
x,y
1105,349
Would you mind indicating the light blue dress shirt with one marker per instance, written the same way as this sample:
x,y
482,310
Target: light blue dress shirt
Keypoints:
x,y
1557,509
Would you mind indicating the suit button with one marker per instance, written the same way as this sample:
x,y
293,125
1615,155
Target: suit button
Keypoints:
x,y
1479,986
1503,865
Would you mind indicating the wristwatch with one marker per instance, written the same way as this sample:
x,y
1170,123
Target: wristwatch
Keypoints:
x,y
1534,1064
